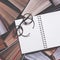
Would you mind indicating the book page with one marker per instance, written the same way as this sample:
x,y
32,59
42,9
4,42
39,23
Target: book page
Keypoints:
x,y
51,25
34,41
36,6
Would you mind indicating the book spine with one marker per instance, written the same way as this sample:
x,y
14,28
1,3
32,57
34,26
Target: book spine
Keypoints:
x,y
42,31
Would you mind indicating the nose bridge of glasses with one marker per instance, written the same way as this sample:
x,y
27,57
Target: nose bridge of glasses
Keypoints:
x,y
28,19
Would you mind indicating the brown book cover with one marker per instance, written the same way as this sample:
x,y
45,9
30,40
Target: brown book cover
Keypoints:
x,y
17,56
8,13
2,45
11,38
20,4
11,52
9,10
6,16
14,55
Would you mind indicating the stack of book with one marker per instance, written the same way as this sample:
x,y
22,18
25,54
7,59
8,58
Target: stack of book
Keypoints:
x,y
11,10
9,44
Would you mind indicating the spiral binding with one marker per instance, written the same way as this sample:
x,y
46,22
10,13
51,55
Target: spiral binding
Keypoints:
x,y
42,31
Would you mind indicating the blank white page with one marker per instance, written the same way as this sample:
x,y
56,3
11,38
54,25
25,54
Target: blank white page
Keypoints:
x,y
34,41
51,25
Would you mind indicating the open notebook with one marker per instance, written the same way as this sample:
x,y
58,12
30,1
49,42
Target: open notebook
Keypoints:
x,y
46,33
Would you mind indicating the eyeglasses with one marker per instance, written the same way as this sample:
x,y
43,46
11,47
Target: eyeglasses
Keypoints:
x,y
28,19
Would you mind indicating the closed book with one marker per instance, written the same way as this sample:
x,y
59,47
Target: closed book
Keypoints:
x,y
20,4
56,2
17,56
37,56
8,13
4,22
9,10
57,54
50,51
13,53
11,38
10,52
2,45
6,16
3,30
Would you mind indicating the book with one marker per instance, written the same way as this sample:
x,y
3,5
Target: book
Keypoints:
x,y
50,52
7,17
57,53
12,53
20,4
7,51
56,2
9,10
37,56
11,38
2,45
4,22
7,13
3,27
40,37
36,6
17,56
53,53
